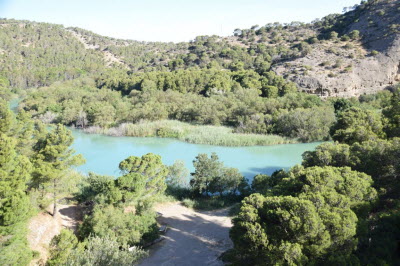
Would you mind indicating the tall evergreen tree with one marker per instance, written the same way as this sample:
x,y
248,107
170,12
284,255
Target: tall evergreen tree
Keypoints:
x,y
54,157
15,172
206,170
392,113
143,179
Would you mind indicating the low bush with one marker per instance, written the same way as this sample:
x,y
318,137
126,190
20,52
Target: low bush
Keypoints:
x,y
374,52
188,203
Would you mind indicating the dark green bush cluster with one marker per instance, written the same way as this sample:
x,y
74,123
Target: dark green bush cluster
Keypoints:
x,y
142,182
340,207
79,104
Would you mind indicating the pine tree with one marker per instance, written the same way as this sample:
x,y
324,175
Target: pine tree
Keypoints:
x,y
143,179
14,204
54,157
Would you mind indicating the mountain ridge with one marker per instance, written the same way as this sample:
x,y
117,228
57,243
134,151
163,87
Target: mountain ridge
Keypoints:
x,y
320,57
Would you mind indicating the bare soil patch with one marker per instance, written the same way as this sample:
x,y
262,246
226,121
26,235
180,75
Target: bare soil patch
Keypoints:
x,y
193,237
43,227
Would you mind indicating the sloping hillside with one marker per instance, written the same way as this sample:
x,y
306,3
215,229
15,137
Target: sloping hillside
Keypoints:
x,y
350,65
339,55
38,54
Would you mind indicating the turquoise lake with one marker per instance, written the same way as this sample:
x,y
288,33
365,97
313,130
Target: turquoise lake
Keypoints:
x,y
103,153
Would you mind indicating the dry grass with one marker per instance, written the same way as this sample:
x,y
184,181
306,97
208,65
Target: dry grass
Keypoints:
x,y
210,135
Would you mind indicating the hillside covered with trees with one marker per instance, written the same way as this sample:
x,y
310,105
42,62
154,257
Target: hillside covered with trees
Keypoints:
x,y
334,80
331,56
236,81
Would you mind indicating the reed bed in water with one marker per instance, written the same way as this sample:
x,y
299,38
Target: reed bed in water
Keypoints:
x,y
211,135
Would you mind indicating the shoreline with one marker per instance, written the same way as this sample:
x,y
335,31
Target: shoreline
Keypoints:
x,y
194,134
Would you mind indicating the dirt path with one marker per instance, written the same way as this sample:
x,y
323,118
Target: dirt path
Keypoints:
x,y
43,227
70,216
193,238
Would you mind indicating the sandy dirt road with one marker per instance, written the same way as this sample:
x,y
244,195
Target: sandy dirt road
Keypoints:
x,y
43,227
193,238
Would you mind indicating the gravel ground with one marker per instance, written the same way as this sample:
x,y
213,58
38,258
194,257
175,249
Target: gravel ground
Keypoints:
x,y
193,238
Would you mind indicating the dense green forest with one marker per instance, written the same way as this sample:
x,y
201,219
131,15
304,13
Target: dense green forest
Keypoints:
x,y
211,80
339,207
35,163
38,54
293,115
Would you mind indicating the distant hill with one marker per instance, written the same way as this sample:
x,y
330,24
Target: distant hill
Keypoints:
x,y
38,54
339,55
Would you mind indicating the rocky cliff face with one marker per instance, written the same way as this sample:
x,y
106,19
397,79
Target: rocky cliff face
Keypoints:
x,y
350,68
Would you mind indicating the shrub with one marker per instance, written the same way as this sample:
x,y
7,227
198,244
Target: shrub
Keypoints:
x,y
331,75
126,228
306,124
394,27
61,247
349,68
354,35
345,38
338,63
308,67
348,46
374,52
167,133
178,193
313,40
105,251
333,35
332,50
188,203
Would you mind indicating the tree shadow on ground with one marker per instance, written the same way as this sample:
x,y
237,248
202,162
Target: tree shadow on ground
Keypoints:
x,y
72,215
197,238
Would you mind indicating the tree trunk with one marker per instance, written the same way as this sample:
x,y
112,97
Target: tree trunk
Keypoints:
x,y
54,199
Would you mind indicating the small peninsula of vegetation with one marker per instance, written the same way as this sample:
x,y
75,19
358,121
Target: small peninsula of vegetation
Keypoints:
x,y
210,135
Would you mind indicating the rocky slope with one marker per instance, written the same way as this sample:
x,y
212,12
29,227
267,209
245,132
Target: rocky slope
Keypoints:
x,y
350,68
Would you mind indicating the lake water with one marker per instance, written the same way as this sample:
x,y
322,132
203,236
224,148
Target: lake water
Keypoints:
x,y
103,153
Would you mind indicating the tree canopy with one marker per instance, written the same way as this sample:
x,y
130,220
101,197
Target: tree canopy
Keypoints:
x,y
307,215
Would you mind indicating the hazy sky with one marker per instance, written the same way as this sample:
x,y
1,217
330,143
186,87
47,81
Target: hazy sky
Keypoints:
x,y
168,20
